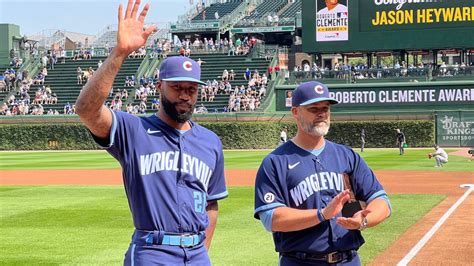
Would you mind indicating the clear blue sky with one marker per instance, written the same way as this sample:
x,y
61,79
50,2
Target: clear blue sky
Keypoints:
x,y
83,16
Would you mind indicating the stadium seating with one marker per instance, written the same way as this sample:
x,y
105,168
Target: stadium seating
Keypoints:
x,y
212,69
292,10
268,6
221,8
109,37
63,80
3,68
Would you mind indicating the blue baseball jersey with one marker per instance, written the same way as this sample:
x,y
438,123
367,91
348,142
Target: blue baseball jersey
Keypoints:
x,y
293,177
168,176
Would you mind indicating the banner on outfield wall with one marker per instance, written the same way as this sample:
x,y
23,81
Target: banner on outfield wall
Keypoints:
x,y
400,96
425,97
383,15
455,129
332,21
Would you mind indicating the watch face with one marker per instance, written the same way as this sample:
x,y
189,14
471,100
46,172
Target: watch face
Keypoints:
x,y
364,224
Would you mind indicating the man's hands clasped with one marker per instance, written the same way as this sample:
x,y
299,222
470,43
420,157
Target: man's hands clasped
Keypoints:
x,y
335,207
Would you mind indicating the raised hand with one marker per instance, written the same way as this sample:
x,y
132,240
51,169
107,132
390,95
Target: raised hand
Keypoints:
x,y
131,32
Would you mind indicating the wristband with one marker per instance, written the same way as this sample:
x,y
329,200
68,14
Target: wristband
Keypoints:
x,y
321,217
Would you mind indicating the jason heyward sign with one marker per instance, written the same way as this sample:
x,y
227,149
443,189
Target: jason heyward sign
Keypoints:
x,y
332,20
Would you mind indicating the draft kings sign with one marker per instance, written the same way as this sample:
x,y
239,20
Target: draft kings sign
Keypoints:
x,y
455,129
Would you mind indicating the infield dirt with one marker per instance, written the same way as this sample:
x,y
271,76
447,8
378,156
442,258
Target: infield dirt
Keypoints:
x,y
451,245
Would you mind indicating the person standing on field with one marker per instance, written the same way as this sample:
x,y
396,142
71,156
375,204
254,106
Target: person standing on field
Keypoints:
x,y
362,140
172,178
401,140
301,190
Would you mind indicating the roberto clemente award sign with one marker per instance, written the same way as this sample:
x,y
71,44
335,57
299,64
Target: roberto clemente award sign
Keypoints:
x,y
332,20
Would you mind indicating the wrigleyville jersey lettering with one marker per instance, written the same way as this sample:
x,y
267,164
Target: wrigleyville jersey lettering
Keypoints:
x,y
168,161
168,176
315,183
296,178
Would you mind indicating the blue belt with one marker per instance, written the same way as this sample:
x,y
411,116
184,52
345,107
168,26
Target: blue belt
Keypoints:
x,y
184,240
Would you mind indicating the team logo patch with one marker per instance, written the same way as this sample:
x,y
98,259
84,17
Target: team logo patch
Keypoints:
x,y
187,66
269,197
319,89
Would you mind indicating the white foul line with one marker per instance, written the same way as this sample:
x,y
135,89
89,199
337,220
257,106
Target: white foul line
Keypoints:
x,y
433,229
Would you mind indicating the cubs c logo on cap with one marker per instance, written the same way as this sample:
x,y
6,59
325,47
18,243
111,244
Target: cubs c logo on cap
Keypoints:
x,y
319,89
187,66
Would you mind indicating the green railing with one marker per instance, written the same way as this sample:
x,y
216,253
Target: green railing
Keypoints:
x,y
268,104
143,68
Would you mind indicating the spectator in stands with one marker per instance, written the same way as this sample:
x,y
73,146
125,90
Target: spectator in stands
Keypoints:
x,y
53,99
231,50
270,19
182,51
137,93
263,91
225,75
129,108
44,60
124,94
277,69
3,85
99,64
155,104
106,47
247,74
187,52
67,108
79,75
231,75
51,61
276,19
204,93
200,62
443,69
216,15
270,71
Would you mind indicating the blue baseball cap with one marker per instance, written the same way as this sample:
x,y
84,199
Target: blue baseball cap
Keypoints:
x,y
311,92
180,68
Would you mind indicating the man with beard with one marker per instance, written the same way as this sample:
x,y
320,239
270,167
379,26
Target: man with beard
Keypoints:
x,y
172,178
300,189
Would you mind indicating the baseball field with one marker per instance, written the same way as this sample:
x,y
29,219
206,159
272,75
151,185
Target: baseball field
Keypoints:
x,y
70,208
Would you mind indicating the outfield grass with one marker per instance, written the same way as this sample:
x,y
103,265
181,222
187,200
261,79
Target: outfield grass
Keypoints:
x,y
72,225
377,159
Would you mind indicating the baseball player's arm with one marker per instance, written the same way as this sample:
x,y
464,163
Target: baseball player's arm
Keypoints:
x,y
90,103
376,212
212,210
287,219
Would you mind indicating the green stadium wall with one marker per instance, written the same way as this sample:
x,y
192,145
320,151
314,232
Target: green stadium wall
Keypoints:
x,y
241,135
